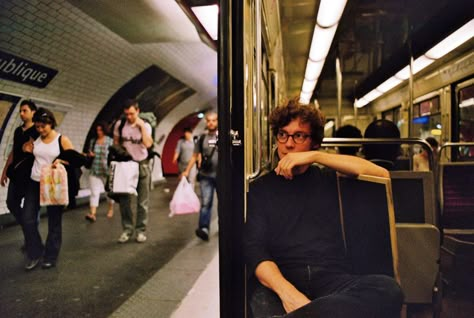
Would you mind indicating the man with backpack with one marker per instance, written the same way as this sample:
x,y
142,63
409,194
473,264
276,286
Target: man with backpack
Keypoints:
x,y
135,136
206,147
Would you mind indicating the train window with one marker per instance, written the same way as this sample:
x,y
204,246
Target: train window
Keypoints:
x,y
466,119
426,119
393,115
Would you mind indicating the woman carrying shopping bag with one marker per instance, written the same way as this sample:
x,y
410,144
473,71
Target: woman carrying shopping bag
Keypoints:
x,y
97,158
46,149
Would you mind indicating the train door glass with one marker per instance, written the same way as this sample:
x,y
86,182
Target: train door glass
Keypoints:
x,y
466,119
426,119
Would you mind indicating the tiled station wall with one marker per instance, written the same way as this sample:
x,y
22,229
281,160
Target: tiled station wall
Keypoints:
x,y
92,61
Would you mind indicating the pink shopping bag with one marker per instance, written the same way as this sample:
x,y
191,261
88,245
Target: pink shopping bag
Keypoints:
x,y
53,186
184,199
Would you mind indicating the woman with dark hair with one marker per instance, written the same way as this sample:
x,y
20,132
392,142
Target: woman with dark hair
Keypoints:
x,y
384,155
46,150
98,151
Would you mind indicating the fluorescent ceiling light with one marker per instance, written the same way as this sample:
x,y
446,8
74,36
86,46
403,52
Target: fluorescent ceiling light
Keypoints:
x,y
373,94
361,102
305,97
321,42
308,86
208,16
420,63
313,70
389,84
330,12
461,35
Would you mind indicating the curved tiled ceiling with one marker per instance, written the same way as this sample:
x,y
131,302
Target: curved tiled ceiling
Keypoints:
x,y
141,21
155,90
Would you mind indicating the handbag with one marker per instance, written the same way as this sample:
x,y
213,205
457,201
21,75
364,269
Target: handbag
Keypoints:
x,y
89,159
184,199
54,185
122,178
20,171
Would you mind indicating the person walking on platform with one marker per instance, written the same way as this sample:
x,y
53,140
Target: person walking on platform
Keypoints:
x,y
17,169
293,239
46,150
98,152
135,135
183,153
206,147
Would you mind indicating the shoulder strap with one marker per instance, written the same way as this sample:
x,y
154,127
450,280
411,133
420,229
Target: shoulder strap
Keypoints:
x,y
201,146
120,129
201,143
61,149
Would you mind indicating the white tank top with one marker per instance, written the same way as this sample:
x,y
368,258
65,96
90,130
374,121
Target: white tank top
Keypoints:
x,y
44,155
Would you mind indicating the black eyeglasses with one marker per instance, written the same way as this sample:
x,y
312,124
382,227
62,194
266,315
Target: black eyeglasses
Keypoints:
x,y
298,137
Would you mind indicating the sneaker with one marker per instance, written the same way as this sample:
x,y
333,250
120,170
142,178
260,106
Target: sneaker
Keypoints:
x,y
124,238
31,264
202,233
141,237
48,264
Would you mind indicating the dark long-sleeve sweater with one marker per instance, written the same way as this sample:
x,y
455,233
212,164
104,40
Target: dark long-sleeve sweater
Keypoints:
x,y
295,222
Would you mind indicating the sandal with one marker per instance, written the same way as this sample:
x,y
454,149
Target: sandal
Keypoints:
x,y
110,214
90,217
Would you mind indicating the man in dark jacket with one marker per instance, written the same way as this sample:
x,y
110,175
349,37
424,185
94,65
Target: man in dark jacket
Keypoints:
x,y
18,166
293,240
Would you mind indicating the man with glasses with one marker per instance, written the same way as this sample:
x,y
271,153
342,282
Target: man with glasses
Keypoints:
x,y
293,241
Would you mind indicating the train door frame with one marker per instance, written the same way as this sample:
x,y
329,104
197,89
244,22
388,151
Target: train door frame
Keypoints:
x,y
231,176
456,87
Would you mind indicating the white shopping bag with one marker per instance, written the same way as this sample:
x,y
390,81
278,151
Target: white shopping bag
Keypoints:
x,y
184,199
123,177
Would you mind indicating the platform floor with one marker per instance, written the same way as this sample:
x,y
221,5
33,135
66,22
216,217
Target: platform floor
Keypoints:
x,y
174,274
97,277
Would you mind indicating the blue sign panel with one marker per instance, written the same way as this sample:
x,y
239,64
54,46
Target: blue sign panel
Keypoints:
x,y
23,71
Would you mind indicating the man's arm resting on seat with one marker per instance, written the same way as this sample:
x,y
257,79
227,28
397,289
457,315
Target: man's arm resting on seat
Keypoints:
x,y
347,165
269,275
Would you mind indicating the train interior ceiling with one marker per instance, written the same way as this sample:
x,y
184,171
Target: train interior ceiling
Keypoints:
x,y
84,57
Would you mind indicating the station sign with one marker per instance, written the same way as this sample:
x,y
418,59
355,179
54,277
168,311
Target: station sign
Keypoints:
x,y
24,71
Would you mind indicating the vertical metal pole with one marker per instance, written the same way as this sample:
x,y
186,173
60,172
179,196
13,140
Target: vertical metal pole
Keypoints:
x,y
339,92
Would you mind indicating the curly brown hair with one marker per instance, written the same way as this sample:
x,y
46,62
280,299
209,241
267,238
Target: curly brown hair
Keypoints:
x,y
284,114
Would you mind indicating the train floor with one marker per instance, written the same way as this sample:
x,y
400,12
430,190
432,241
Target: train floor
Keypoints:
x,y
97,277
173,274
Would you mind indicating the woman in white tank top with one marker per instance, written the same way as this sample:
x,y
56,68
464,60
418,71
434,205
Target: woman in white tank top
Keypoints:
x,y
45,149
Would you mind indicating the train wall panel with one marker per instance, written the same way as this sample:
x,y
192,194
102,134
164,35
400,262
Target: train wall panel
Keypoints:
x,y
92,63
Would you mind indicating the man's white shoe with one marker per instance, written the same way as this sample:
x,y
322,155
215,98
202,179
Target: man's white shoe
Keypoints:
x,y
124,238
141,237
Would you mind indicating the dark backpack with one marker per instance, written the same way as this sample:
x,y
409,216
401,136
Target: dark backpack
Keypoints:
x,y
151,152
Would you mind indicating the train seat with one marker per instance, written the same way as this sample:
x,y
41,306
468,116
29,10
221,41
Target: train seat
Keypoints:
x,y
414,197
456,185
368,225
418,236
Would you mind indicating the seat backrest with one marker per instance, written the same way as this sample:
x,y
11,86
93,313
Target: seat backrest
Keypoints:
x,y
414,197
368,225
457,194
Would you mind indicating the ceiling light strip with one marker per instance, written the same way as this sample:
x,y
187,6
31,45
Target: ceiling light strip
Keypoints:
x,y
329,14
451,42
